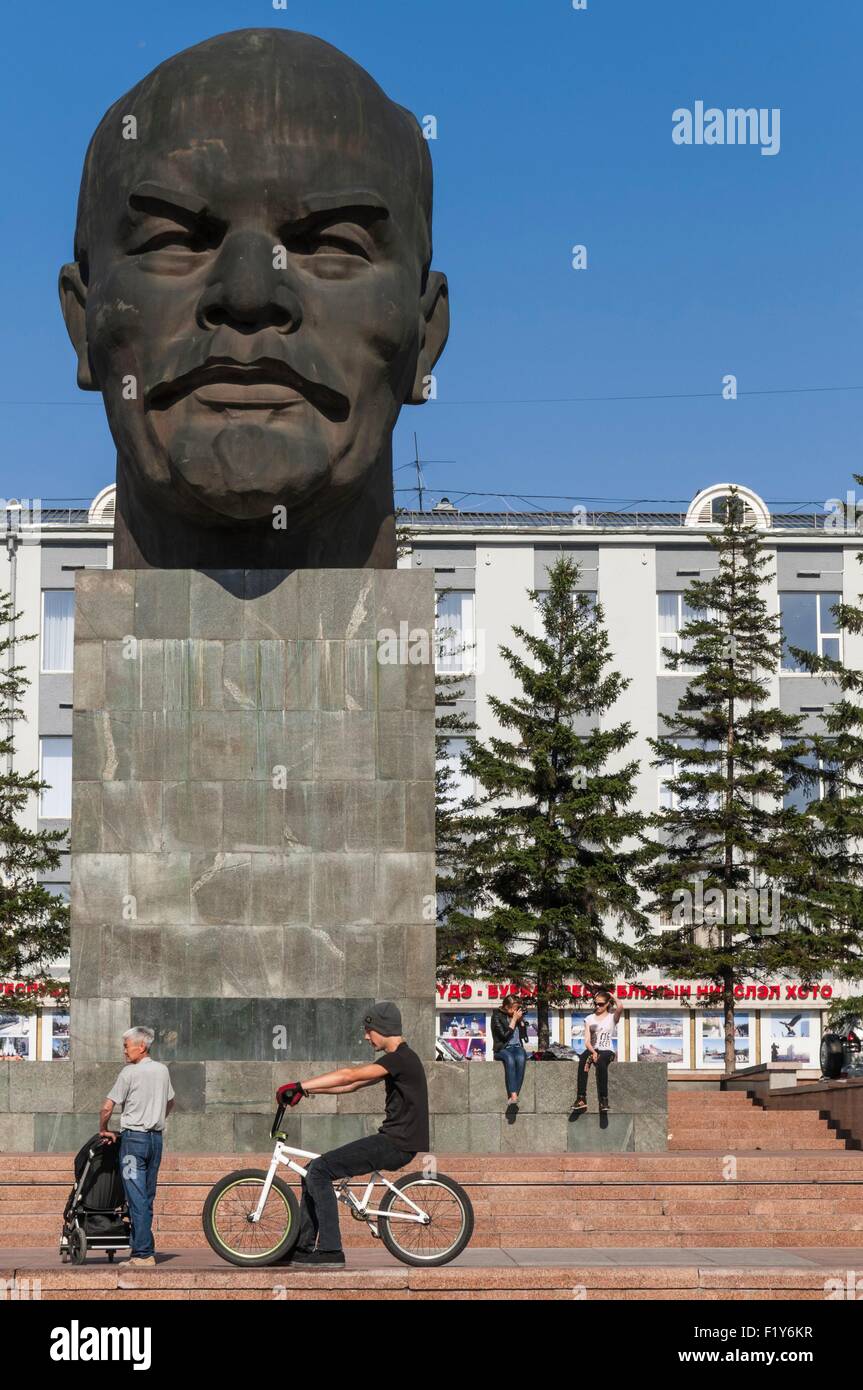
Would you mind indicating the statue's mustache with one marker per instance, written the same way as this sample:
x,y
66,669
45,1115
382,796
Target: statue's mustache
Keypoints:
x,y
166,392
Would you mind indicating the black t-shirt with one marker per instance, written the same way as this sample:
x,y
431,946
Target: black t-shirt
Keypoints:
x,y
407,1119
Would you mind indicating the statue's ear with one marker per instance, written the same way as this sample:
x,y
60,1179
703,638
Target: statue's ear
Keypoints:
x,y
73,300
434,331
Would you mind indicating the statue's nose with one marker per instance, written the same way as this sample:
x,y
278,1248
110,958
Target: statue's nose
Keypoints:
x,y
246,291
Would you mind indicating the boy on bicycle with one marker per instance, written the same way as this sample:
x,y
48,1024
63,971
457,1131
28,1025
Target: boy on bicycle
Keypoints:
x,y
404,1132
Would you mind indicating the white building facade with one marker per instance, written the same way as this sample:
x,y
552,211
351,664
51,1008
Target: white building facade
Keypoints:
x,y
45,545
638,564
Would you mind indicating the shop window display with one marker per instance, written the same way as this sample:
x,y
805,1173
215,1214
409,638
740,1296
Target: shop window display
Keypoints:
x,y
59,1037
660,1037
710,1040
791,1037
17,1037
467,1033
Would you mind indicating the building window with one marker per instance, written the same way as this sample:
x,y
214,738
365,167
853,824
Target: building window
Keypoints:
x,y
710,1040
808,623
60,1037
454,631
466,1034
58,617
55,768
791,1038
673,614
17,1037
669,800
660,1037
460,786
542,595
816,788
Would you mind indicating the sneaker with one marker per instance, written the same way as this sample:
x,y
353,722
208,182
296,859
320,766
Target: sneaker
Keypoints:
x,y
603,1107
143,1261
299,1252
320,1259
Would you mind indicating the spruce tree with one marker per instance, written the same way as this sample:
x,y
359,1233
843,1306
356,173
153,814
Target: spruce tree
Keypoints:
x,y
823,890
34,924
550,844
725,842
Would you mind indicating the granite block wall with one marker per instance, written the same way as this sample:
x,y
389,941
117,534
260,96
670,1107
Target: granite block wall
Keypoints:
x,y
227,1107
253,811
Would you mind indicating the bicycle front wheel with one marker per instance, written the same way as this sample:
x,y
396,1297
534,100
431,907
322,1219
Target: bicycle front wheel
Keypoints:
x,y
445,1233
230,1230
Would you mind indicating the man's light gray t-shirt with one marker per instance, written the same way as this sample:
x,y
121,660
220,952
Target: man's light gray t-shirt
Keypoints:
x,y
143,1089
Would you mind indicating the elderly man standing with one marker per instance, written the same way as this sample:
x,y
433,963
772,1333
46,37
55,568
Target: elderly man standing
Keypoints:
x,y
143,1089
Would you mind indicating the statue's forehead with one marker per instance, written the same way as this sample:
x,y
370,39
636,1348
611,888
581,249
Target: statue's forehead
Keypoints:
x,y
282,177
239,101
233,164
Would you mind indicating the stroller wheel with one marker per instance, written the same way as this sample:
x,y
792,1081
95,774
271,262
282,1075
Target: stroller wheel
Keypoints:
x,y
111,1254
78,1246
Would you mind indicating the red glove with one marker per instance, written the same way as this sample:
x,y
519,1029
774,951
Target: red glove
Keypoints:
x,y
291,1094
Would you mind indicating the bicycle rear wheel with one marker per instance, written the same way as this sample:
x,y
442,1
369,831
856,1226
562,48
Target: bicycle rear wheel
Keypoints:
x,y
443,1236
239,1240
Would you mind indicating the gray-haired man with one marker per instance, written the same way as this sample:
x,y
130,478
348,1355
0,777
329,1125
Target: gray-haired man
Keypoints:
x,y
143,1089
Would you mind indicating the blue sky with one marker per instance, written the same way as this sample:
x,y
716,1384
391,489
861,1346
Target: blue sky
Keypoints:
x,y
554,128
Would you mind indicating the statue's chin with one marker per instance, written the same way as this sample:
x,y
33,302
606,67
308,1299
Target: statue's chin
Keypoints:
x,y
247,470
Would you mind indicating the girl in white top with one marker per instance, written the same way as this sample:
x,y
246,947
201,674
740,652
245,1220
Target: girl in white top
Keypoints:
x,y
598,1047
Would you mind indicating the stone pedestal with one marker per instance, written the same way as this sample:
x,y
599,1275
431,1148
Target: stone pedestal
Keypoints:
x,y
253,813
253,865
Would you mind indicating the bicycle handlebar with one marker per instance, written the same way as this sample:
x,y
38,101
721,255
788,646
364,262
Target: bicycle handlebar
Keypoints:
x,y
277,1121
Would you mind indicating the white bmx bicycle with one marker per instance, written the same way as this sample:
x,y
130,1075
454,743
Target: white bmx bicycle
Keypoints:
x,y
251,1217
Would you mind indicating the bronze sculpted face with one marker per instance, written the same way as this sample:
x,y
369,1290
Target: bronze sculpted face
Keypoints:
x,y
252,296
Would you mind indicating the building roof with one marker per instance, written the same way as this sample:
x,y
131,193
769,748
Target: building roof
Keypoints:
x,y
453,519
446,517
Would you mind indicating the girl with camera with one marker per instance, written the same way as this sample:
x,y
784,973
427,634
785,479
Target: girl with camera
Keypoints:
x,y
509,1035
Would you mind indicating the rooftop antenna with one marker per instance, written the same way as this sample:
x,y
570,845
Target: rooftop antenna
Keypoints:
x,y
419,471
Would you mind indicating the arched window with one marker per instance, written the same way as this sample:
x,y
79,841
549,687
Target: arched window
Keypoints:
x,y
710,506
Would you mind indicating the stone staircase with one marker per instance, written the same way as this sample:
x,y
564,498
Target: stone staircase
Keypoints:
x,y
194,1276
729,1121
735,1176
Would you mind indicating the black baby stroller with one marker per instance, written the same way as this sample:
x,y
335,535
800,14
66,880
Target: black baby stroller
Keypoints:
x,y
96,1215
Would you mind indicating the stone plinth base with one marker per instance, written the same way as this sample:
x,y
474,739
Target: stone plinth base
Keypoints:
x,y
252,819
227,1107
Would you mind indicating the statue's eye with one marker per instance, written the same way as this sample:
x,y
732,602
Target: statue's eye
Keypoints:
x,y
342,239
329,243
175,237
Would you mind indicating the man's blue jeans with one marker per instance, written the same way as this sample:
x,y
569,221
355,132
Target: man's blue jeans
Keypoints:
x,y
514,1060
140,1156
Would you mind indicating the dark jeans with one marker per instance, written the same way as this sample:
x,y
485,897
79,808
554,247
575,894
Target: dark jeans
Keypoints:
x,y
514,1060
140,1156
319,1212
600,1067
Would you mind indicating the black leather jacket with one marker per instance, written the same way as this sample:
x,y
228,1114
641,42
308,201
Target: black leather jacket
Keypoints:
x,y
502,1029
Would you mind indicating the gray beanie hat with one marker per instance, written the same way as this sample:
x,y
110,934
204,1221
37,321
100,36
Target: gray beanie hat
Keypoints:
x,y
385,1018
